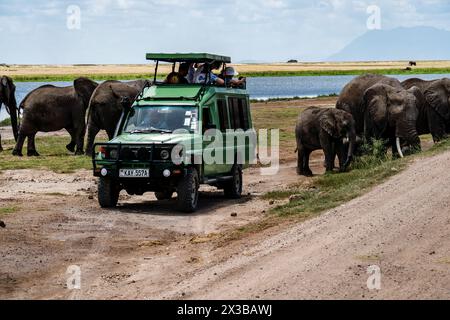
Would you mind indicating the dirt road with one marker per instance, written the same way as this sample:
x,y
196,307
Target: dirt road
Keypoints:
x,y
143,250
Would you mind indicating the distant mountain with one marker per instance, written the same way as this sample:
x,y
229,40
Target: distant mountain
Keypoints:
x,y
417,43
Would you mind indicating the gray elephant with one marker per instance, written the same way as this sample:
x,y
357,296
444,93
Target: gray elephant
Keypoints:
x,y
105,107
50,108
331,130
351,98
435,109
363,103
391,114
8,98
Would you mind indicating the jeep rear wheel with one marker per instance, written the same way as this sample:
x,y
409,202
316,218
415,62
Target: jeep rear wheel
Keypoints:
x,y
188,192
165,195
233,188
108,193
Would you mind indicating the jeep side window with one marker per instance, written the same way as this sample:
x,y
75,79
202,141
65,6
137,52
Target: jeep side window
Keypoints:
x,y
243,114
223,115
207,119
234,113
239,113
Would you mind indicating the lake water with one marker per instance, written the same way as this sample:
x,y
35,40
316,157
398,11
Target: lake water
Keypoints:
x,y
259,88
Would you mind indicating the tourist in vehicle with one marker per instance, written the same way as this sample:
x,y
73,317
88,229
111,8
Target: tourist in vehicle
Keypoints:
x,y
201,75
229,75
154,119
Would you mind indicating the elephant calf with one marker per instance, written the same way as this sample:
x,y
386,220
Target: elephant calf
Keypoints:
x,y
331,130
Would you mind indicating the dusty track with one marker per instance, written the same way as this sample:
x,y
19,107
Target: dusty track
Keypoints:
x,y
402,226
143,250
58,223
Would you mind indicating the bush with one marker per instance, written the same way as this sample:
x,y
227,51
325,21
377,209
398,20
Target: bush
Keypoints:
x,y
5,123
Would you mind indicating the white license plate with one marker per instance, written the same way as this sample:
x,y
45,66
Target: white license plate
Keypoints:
x,y
134,173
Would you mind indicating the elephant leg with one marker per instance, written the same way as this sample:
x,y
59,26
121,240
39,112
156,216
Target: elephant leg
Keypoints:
x,y
300,160
306,169
71,146
438,130
19,145
342,155
1,148
80,133
111,132
31,152
93,130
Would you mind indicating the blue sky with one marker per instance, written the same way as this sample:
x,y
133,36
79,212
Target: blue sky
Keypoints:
x,y
122,31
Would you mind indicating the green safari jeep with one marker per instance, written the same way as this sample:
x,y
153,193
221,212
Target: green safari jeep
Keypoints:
x,y
176,136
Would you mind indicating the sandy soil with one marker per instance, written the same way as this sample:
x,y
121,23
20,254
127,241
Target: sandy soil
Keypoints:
x,y
30,70
58,223
144,250
401,226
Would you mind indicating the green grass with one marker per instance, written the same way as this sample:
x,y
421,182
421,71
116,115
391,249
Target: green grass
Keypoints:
x,y
71,77
346,72
54,157
333,189
8,210
292,98
5,122
136,76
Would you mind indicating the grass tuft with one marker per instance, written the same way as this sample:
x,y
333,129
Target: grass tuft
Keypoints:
x,y
54,157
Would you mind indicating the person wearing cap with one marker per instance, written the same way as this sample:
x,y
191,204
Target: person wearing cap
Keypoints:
x,y
229,75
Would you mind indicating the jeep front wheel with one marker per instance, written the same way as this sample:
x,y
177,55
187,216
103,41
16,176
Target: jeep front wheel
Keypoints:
x,y
108,193
233,188
188,192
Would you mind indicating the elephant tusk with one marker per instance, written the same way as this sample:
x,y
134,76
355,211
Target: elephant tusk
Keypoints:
x,y
399,148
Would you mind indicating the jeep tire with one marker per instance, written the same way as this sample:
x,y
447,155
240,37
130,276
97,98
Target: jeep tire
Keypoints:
x,y
108,193
233,188
187,191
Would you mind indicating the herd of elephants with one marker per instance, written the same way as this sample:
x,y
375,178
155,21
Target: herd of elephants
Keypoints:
x,y
370,107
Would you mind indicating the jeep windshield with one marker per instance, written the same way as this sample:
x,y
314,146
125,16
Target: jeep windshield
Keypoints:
x,y
161,119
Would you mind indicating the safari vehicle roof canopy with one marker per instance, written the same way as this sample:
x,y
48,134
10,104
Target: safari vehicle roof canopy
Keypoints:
x,y
188,57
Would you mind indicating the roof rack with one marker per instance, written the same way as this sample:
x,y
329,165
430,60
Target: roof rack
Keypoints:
x,y
188,57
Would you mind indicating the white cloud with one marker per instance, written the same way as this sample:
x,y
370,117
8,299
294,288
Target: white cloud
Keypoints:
x,y
248,30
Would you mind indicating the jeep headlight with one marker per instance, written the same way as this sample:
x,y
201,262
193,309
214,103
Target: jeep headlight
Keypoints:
x,y
165,155
113,154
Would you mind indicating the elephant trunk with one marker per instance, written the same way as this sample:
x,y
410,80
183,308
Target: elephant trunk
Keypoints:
x,y
408,133
14,114
351,147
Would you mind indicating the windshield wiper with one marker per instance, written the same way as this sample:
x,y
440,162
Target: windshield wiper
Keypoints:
x,y
150,130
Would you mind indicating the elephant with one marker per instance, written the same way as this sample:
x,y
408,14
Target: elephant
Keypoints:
x,y
351,98
391,114
435,110
49,108
105,107
327,129
8,98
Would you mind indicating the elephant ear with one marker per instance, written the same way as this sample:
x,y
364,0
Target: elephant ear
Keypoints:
x,y
2,89
437,98
85,88
377,111
328,124
4,81
420,98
